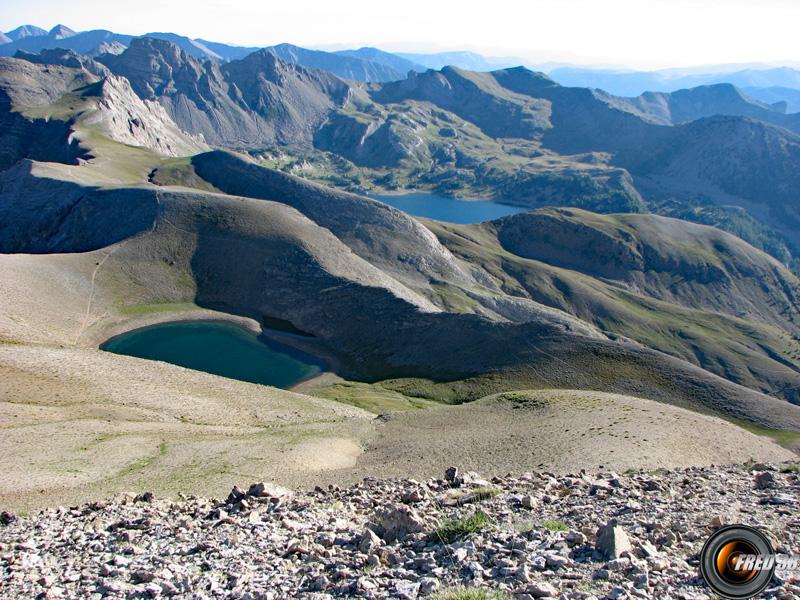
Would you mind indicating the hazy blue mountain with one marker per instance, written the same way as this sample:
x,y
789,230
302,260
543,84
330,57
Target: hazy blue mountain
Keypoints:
x,y
633,83
83,43
347,67
4,39
463,60
228,52
24,31
364,64
776,95
683,106
376,55
60,32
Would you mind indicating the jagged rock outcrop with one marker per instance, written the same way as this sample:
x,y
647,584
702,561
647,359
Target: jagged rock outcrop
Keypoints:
x,y
45,99
249,102
125,118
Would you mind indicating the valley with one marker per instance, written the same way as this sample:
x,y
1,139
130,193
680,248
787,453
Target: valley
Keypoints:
x,y
565,320
399,302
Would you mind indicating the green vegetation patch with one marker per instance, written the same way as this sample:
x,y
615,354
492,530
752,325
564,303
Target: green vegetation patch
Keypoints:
x,y
454,529
782,437
480,494
470,593
554,525
371,397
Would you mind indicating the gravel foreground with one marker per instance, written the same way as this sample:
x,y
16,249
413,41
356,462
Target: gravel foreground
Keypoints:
x,y
584,536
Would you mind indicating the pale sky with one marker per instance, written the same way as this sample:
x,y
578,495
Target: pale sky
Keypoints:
x,y
641,34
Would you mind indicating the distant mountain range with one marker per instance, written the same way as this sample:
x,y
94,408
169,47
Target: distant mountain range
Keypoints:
x,y
633,83
512,134
774,86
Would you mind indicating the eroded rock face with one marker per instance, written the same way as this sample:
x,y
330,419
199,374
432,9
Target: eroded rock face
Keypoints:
x,y
45,98
128,119
252,101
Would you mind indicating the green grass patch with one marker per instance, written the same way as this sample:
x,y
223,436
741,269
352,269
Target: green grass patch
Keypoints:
x,y
470,593
554,525
782,437
454,529
478,495
791,468
371,397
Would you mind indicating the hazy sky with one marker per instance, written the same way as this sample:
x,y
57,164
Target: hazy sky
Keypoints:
x,y
634,33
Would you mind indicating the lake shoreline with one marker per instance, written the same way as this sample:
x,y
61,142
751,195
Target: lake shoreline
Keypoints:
x,y
222,348
423,204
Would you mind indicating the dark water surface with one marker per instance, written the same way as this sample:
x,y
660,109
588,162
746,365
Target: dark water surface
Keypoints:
x,y
450,210
219,348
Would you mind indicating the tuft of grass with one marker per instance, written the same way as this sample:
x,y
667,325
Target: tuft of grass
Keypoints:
x,y
554,525
470,593
453,529
791,468
478,495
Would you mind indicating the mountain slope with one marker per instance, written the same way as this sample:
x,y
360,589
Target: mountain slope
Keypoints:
x,y
633,83
42,104
83,43
345,66
263,259
683,315
782,98
687,105
414,305
378,56
24,31
249,102
469,61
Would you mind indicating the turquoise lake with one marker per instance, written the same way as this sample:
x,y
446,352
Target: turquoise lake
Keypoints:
x,y
218,348
450,210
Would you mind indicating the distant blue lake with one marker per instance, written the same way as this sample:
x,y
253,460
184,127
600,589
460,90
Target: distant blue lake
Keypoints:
x,y
219,348
450,210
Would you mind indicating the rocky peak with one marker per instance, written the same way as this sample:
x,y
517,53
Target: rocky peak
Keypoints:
x,y
157,67
262,63
524,81
59,32
24,31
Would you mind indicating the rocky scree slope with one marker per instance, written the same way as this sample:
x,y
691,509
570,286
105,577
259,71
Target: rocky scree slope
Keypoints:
x,y
583,536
